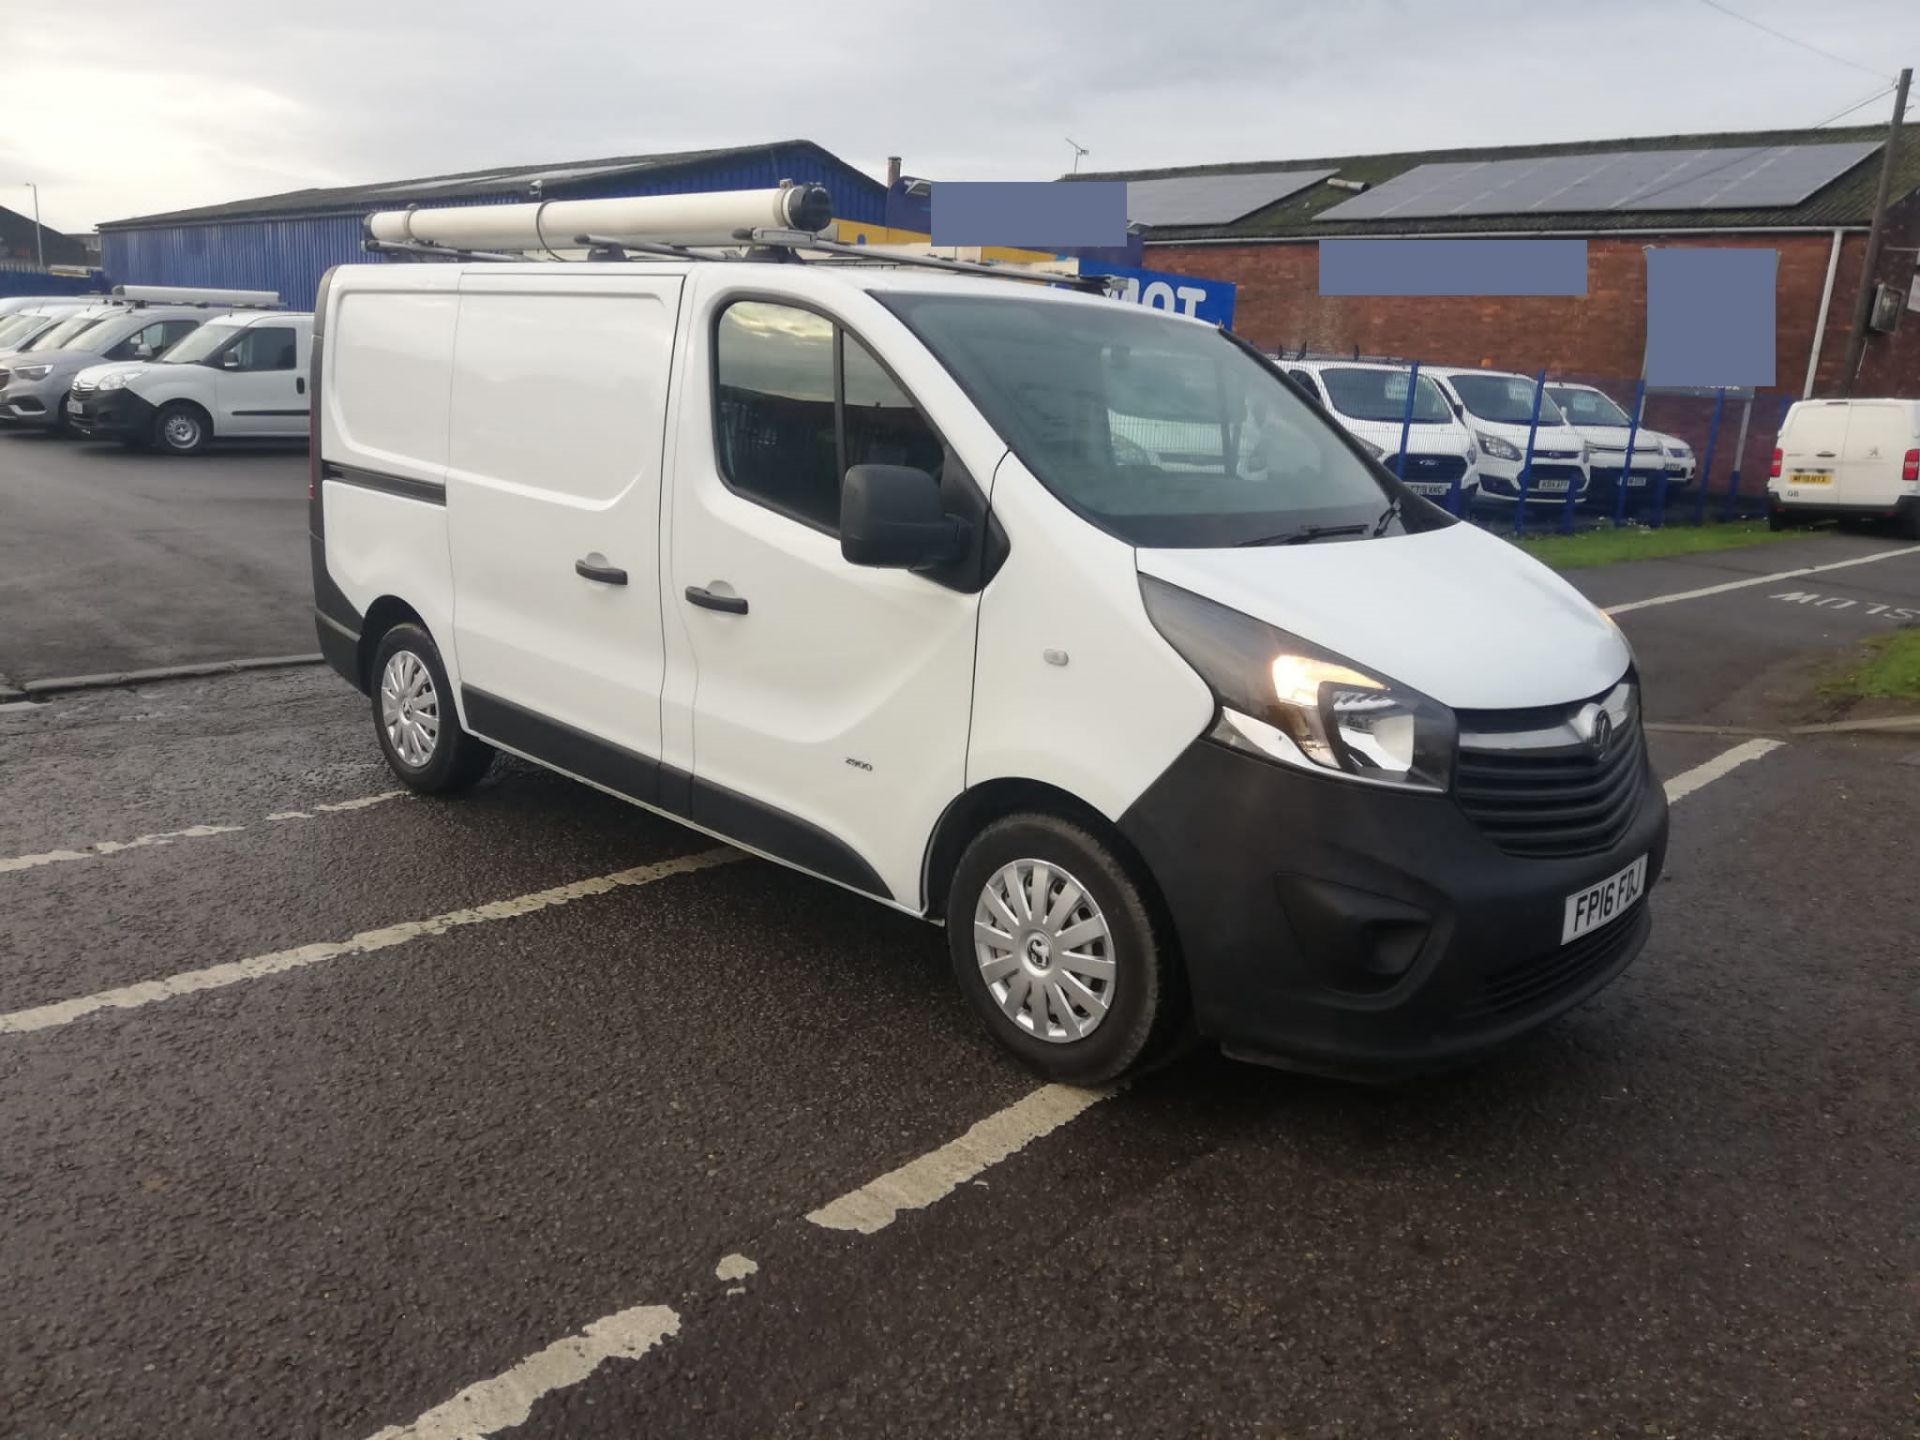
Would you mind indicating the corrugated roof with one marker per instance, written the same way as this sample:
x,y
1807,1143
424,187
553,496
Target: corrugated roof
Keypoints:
x,y
555,175
1846,201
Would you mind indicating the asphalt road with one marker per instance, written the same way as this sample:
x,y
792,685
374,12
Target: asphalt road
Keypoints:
x,y
114,559
397,1158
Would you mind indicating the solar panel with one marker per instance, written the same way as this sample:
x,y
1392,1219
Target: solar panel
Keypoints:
x,y
1730,177
1213,199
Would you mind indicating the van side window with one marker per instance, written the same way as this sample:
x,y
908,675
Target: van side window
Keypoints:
x,y
266,347
882,425
774,392
788,431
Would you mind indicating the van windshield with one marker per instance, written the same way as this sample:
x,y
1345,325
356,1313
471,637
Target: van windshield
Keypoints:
x,y
68,329
1504,399
1382,395
11,325
199,345
1587,407
1162,432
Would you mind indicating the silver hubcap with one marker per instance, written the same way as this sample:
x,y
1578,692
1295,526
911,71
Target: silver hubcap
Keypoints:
x,y
182,430
1045,953
410,708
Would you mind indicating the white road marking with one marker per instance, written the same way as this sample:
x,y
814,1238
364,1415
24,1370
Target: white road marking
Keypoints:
x,y
734,1267
508,1398
114,847
1757,580
192,832
214,977
934,1176
1688,781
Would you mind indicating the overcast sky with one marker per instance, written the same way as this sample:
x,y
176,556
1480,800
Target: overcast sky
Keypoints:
x,y
124,107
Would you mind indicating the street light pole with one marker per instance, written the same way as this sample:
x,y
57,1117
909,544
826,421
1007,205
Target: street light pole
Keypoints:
x,y
39,240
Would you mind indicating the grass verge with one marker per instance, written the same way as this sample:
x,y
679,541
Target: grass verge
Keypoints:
x,y
1886,667
1608,546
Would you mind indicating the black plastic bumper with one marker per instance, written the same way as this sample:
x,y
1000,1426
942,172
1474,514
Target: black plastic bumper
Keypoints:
x,y
1359,931
111,415
1906,508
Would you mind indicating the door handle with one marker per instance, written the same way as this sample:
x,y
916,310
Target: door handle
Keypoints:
x,y
299,384
1826,454
707,600
604,574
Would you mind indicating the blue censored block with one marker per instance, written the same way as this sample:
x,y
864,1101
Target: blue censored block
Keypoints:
x,y
1453,267
1710,317
1030,214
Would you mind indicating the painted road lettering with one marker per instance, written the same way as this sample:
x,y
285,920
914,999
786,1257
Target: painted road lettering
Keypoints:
x,y
1865,609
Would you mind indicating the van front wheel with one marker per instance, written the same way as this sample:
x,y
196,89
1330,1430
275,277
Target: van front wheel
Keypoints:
x,y
180,429
1056,949
414,718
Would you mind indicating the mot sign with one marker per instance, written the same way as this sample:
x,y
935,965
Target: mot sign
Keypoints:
x,y
1209,300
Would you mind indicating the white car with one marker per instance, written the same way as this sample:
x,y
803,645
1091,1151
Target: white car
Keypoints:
x,y
1604,425
1498,406
240,376
1847,460
839,561
1370,400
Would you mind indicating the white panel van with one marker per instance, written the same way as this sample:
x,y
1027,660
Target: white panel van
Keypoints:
x,y
1370,399
1498,407
869,571
1847,460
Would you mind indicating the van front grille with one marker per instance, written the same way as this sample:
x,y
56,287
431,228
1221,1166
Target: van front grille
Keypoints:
x,y
1554,803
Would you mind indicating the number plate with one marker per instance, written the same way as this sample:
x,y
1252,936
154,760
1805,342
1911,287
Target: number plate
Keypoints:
x,y
1810,477
1549,487
1594,906
73,407
1428,487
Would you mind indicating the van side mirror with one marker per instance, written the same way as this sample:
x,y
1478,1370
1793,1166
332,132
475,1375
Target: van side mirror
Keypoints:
x,y
890,518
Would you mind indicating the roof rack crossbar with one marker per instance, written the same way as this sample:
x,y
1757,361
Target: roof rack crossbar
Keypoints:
x,y
421,250
801,240
605,247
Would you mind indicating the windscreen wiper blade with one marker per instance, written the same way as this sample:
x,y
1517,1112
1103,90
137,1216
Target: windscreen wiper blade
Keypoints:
x,y
1306,534
1387,517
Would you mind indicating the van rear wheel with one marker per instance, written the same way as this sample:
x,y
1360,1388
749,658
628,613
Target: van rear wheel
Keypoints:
x,y
414,717
1055,947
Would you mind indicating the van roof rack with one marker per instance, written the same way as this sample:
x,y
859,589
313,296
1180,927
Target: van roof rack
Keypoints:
x,y
711,226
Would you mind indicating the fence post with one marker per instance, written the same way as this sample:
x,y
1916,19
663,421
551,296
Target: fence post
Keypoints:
x,y
1739,454
1705,477
1406,424
1626,461
1526,463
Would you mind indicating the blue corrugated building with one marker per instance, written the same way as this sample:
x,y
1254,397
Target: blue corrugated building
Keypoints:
x,y
287,242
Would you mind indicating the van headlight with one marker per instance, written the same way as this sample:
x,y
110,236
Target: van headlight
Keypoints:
x,y
32,372
115,380
1496,447
1286,700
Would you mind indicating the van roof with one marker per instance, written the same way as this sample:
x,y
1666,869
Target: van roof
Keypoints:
x,y
864,274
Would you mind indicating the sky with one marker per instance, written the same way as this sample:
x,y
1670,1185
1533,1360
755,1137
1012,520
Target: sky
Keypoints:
x,y
128,107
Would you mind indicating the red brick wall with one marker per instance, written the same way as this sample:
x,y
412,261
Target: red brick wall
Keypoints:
x,y
1600,334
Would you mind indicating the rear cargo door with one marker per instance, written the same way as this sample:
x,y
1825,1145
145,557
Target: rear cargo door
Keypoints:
x,y
1810,452
557,416
1878,436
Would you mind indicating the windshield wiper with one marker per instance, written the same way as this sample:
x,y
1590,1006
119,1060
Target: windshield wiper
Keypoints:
x,y
1305,535
1387,517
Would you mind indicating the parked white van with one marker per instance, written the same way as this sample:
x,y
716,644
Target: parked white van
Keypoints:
x,y
841,562
1847,460
1605,426
1370,400
1497,406
240,376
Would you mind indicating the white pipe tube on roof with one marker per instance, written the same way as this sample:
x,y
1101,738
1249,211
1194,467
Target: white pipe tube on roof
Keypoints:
x,y
196,295
713,218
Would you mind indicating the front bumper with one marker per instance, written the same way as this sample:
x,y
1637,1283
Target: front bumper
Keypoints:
x,y
110,414
1359,931
33,402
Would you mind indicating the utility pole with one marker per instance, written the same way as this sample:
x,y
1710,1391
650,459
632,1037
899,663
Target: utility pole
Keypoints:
x,y
39,240
1863,302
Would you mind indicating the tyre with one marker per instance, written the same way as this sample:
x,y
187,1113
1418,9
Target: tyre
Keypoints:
x,y
60,424
181,429
414,718
1056,948
1777,521
1907,526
